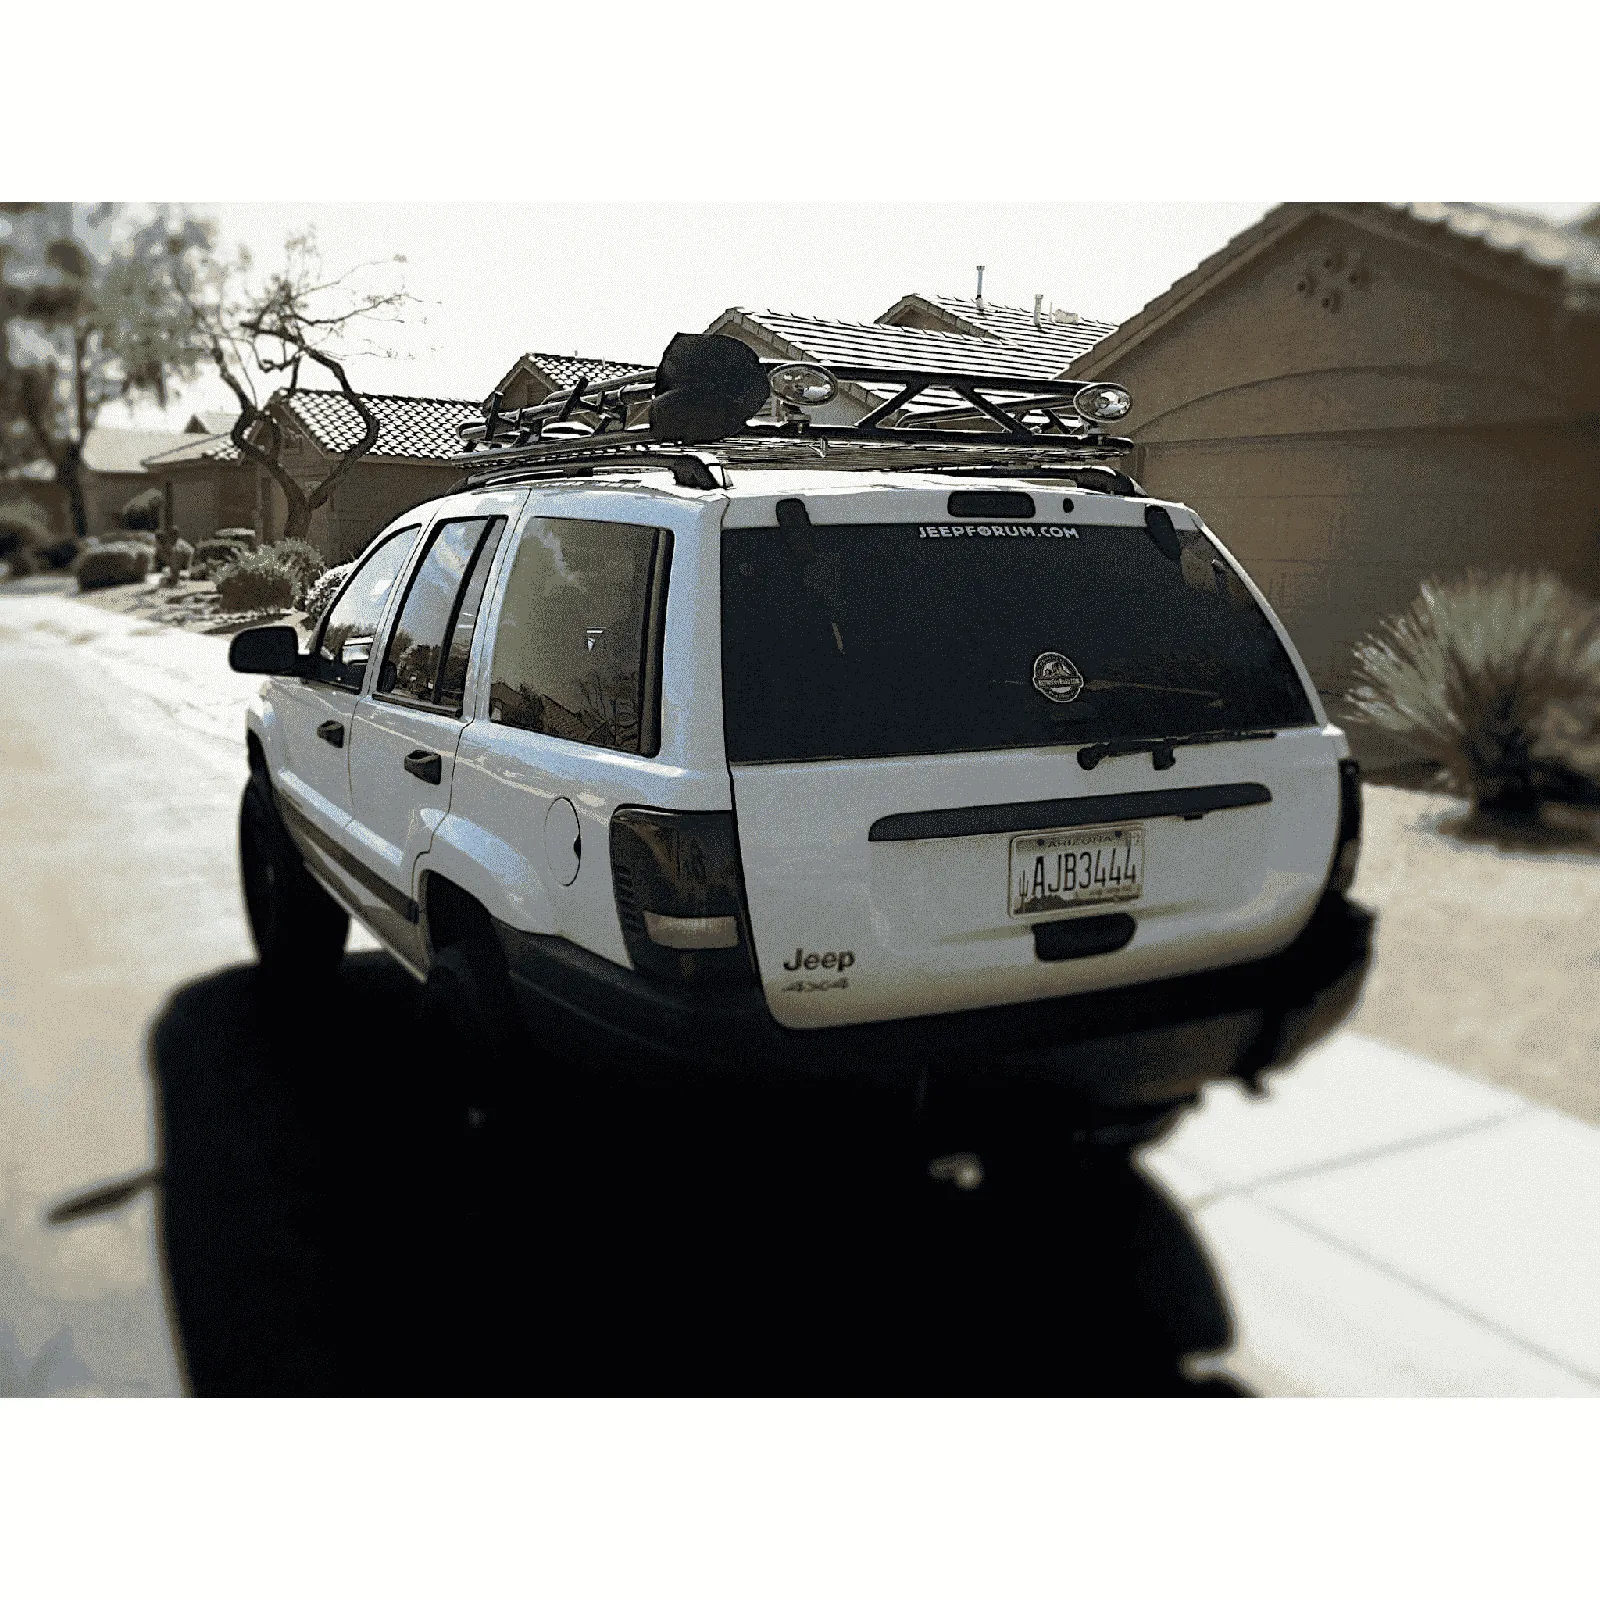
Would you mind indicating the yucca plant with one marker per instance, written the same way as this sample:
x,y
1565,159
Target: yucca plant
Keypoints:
x,y
1497,679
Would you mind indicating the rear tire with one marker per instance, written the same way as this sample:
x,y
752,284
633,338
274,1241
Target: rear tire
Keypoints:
x,y
298,928
469,1033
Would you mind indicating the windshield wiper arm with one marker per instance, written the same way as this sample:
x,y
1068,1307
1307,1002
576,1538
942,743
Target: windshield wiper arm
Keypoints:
x,y
1160,751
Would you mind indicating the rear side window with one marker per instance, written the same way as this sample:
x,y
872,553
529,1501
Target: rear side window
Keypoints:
x,y
413,665
897,639
346,643
577,650
453,681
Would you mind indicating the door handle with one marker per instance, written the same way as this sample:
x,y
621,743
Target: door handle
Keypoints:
x,y
425,764
333,731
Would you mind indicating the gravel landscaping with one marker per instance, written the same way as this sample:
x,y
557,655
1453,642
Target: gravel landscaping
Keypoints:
x,y
191,604
1488,944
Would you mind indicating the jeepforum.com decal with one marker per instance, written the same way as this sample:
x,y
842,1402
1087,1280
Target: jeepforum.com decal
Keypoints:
x,y
996,530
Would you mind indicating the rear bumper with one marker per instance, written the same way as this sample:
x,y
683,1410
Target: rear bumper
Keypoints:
x,y
1142,1046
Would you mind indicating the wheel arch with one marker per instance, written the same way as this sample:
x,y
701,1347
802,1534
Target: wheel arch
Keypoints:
x,y
452,915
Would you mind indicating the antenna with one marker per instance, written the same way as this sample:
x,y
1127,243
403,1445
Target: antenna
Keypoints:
x,y
981,305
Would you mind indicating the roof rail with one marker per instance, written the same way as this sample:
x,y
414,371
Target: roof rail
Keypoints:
x,y
714,392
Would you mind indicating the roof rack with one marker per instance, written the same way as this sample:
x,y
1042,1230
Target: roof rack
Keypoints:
x,y
696,414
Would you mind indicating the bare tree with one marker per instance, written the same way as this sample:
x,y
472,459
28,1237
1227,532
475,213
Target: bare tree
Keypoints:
x,y
89,313
296,321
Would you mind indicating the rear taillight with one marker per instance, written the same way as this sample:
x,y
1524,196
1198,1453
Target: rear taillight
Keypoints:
x,y
1347,848
680,894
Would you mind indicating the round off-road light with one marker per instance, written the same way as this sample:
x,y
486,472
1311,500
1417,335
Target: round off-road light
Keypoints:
x,y
1102,402
802,384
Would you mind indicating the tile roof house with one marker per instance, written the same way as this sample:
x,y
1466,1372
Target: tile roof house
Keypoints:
x,y
410,428
208,484
922,333
205,482
925,332
114,471
1048,341
1358,396
409,463
536,376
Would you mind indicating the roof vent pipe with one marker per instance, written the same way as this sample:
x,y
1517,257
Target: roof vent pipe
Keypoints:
x,y
981,305
1038,311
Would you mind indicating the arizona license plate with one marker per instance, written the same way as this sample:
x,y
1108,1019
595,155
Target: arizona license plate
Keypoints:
x,y
1075,867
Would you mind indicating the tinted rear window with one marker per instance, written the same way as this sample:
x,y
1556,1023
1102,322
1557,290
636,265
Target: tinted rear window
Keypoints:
x,y
903,639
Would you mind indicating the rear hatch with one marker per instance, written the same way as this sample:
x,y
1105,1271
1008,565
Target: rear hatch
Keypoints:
x,y
927,722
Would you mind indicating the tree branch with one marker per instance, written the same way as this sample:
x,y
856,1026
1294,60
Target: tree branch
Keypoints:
x,y
363,446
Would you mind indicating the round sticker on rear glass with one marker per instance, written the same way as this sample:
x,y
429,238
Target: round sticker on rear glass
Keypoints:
x,y
1056,678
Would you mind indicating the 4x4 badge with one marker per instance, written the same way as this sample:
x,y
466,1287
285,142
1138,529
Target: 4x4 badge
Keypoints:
x,y
1055,677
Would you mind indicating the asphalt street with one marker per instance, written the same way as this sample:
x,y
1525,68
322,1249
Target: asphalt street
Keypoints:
x,y
209,1187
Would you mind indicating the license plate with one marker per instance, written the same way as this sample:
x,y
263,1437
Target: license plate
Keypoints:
x,y
1075,867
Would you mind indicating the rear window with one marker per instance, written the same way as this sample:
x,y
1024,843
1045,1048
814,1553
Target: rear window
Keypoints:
x,y
851,642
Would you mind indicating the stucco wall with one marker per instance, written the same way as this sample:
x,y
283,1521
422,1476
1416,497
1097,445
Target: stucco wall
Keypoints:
x,y
374,493
106,493
206,498
1353,414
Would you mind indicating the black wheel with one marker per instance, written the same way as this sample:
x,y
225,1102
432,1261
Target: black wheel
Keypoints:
x,y
469,1036
298,928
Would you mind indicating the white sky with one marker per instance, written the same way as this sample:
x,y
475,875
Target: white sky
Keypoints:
x,y
618,279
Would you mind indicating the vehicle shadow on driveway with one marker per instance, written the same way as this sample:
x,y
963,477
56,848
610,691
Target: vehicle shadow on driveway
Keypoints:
x,y
325,1234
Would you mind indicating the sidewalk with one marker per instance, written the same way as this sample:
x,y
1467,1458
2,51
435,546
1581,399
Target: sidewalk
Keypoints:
x,y
1384,1225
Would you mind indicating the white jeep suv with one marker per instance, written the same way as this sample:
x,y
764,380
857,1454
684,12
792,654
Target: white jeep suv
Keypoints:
x,y
795,769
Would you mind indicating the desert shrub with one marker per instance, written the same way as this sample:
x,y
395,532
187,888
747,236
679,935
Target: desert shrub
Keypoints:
x,y
1498,681
142,514
60,553
302,560
24,527
256,581
220,550
103,566
179,554
320,595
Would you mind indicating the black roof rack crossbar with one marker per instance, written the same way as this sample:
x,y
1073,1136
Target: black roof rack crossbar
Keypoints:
x,y
690,469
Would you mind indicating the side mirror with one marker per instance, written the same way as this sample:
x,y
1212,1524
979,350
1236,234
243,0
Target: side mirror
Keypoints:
x,y
274,651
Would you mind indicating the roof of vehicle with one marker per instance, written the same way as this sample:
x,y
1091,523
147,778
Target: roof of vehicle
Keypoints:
x,y
763,483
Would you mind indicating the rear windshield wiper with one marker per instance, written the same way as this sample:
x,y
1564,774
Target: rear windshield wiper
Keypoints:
x,y
1160,750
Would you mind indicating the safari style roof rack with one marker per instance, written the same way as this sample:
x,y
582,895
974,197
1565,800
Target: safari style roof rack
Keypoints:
x,y
697,413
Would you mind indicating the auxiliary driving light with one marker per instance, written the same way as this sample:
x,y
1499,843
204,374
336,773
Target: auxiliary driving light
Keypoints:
x,y
1102,402
802,384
